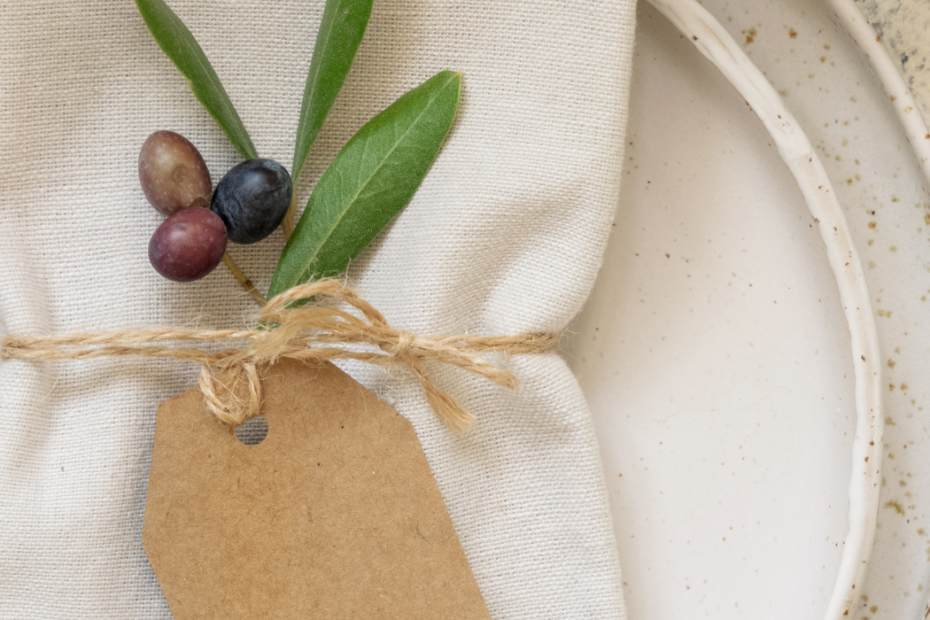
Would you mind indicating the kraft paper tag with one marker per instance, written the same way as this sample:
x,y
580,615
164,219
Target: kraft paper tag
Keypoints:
x,y
335,514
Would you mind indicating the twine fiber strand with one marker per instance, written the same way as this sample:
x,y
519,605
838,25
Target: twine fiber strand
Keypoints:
x,y
298,333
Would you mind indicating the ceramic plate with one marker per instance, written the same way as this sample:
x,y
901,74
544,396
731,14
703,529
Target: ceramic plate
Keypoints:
x,y
714,351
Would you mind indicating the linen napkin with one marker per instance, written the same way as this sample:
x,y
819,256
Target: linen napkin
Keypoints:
x,y
504,236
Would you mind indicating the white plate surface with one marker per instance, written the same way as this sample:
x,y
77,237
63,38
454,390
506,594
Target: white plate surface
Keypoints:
x,y
714,352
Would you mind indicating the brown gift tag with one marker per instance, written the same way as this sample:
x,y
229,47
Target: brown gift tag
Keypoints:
x,y
334,515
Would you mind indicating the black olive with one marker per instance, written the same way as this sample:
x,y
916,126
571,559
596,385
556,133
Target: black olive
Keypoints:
x,y
252,199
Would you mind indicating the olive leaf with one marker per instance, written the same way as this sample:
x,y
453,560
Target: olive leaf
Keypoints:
x,y
341,31
178,44
369,182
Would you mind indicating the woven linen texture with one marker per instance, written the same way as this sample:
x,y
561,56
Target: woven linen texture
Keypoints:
x,y
505,236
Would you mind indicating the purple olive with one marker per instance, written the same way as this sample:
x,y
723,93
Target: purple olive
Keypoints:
x,y
188,245
173,174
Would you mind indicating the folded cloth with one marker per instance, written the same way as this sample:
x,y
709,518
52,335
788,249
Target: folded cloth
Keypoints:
x,y
505,236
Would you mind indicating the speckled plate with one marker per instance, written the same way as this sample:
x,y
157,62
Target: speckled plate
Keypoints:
x,y
714,351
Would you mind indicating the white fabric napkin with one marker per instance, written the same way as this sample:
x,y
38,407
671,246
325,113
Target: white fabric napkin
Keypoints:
x,y
504,236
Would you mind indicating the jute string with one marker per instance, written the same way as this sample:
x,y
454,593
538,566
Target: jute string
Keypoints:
x,y
299,333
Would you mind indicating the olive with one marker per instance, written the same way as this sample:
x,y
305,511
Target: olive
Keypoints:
x,y
172,173
252,199
188,245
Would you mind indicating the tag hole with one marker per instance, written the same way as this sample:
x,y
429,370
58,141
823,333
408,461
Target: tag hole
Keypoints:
x,y
253,431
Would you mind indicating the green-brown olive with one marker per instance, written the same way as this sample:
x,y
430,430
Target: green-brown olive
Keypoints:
x,y
173,174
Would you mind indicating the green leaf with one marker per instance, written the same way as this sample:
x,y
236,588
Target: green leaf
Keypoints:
x,y
370,181
178,44
341,31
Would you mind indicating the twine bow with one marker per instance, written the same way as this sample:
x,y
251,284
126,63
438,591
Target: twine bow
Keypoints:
x,y
300,333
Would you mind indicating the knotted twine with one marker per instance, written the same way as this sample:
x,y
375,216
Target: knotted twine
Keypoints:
x,y
299,332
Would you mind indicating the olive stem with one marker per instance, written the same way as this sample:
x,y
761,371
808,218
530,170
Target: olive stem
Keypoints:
x,y
287,224
247,285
